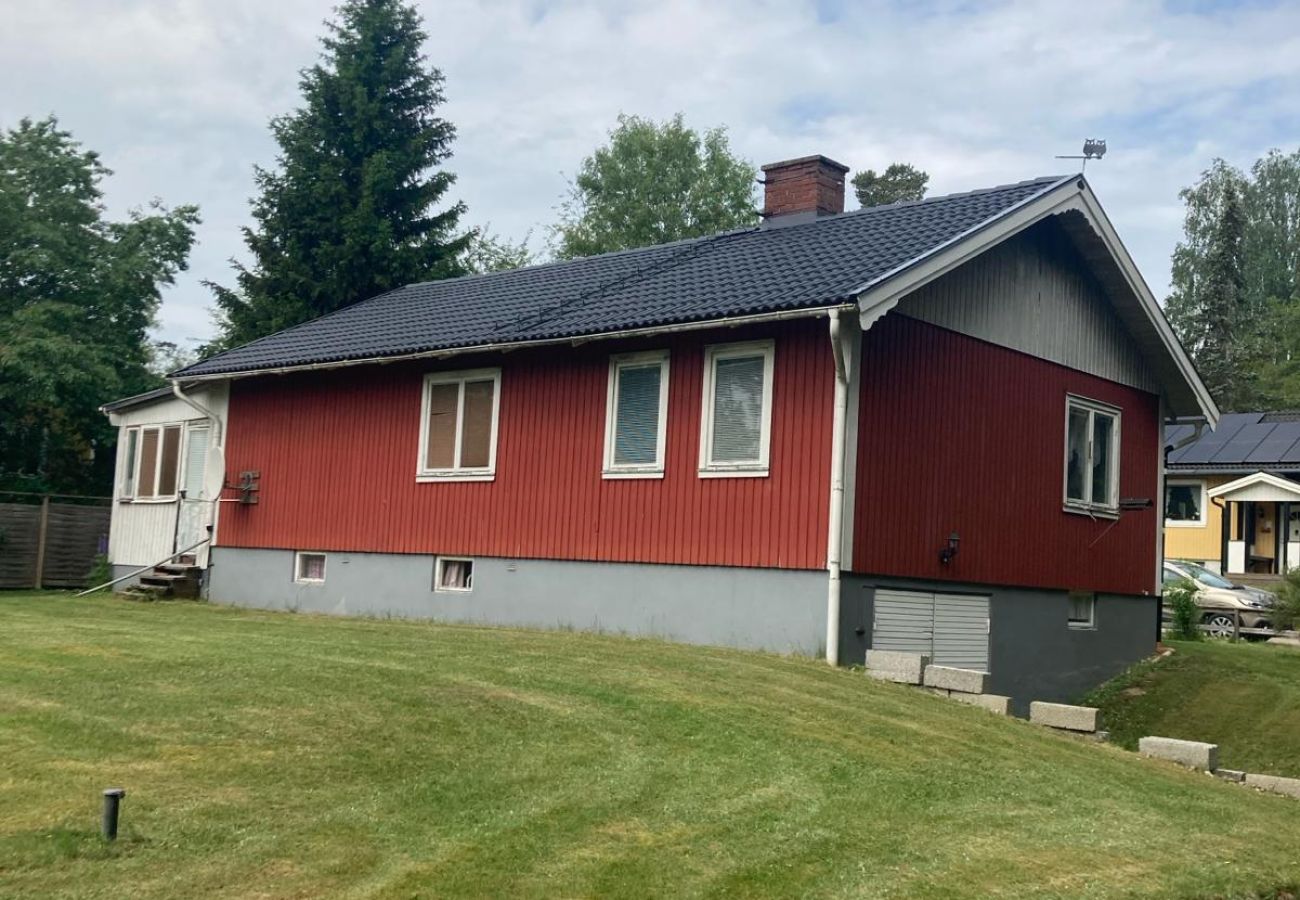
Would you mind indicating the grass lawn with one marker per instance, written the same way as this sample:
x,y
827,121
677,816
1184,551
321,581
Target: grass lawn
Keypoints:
x,y
1243,697
273,756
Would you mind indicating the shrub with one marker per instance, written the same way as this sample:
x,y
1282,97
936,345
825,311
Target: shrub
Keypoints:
x,y
100,572
1186,615
1287,613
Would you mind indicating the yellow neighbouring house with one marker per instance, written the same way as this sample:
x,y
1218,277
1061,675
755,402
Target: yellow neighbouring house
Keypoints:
x,y
1232,495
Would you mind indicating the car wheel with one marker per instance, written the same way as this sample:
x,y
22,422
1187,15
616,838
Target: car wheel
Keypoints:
x,y
1219,625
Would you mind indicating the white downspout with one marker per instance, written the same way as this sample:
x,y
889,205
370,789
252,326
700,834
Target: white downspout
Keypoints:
x,y
835,535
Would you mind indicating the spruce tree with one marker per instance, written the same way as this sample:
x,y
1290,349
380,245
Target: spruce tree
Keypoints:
x,y
349,212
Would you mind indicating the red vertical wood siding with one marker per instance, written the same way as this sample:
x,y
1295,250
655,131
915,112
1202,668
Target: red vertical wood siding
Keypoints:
x,y
960,435
337,455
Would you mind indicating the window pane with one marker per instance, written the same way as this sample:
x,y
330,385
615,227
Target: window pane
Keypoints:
x,y
737,409
148,461
168,475
1183,502
1076,450
1081,606
128,475
636,420
196,455
1103,438
440,449
456,574
476,431
311,567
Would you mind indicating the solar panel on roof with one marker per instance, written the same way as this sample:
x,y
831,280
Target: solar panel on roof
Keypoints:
x,y
1242,443
1212,442
1274,448
1291,455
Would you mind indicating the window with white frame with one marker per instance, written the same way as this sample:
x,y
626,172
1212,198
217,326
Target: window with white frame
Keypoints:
x,y
309,568
636,416
1185,504
1091,456
458,426
452,573
1083,610
151,463
736,427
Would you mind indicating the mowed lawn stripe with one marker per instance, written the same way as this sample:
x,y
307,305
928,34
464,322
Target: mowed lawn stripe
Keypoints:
x,y
279,755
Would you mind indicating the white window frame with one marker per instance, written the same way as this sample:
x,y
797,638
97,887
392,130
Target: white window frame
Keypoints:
x,y
438,562
161,428
617,363
1204,513
751,469
1109,509
456,472
297,566
129,464
1080,624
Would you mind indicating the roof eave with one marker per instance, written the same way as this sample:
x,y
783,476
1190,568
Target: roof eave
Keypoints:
x,y
1186,391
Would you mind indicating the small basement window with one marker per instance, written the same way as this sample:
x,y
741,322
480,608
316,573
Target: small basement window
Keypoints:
x,y
1091,456
309,568
453,574
1083,609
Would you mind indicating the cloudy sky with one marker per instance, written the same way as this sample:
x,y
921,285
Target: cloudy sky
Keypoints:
x,y
176,94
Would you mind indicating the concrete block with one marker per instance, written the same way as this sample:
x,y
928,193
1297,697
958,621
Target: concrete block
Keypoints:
x,y
1275,784
1193,754
1230,775
965,680
1061,715
995,703
905,668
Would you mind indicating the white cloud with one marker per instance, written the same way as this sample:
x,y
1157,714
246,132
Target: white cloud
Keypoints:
x,y
176,96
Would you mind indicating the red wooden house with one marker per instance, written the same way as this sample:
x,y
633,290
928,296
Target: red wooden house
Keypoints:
x,y
931,425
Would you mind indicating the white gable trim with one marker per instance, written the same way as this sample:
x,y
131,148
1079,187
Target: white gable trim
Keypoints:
x,y
1259,488
882,294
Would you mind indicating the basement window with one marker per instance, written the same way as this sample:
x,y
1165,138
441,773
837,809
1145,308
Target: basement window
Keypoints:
x,y
737,410
453,574
636,415
1083,610
1091,457
309,568
458,428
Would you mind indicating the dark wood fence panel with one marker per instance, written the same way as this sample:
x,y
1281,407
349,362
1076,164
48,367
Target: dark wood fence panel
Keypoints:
x,y
64,545
19,528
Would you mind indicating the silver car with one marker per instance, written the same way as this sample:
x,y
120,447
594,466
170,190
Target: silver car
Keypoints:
x,y
1220,599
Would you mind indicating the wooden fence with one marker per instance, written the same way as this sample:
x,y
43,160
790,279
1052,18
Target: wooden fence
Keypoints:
x,y
50,540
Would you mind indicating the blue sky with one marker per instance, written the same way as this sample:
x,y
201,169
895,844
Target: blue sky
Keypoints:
x,y
176,96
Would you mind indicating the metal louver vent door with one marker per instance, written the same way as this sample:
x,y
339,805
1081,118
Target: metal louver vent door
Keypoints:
x,y
961,631
903,620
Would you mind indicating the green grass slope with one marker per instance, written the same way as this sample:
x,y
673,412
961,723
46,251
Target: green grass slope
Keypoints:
x,y
273,756
1243,697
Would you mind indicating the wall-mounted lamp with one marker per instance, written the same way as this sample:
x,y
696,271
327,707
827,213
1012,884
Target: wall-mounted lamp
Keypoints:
x,y
948,552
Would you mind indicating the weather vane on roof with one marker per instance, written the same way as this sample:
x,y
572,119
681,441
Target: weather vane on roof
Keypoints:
x,y
1093,148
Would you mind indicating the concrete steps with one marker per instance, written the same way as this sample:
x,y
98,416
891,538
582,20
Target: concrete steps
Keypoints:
x,y
171,581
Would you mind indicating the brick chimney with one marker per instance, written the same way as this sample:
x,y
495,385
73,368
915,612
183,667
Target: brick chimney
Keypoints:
x,y
800,190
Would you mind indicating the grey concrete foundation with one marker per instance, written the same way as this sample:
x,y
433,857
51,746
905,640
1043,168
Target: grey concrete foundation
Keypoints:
x,y
1034,654
765,609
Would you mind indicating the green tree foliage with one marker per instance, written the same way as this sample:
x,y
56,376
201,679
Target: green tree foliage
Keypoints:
x,y
1235,299
489,252
349,212
654,183
899,182
1185,618
78,294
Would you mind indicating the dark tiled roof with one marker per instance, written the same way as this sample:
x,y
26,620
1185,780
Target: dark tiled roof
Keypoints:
x,y
137,400
756,270
1243,442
